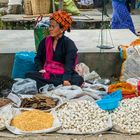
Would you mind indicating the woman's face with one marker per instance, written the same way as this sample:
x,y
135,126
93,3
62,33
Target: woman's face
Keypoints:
x,y
54,28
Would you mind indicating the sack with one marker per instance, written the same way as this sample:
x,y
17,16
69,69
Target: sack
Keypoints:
x,y
25,86
56,124
5,113
69,6
131,66
23,63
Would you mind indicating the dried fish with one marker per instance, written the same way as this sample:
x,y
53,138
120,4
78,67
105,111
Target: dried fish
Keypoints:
x,y
39,102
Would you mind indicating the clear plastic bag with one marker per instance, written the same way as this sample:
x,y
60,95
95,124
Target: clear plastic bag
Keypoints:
x,y
69,92
25,86
46,88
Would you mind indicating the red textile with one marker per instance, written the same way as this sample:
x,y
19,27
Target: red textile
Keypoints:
x,y
50,65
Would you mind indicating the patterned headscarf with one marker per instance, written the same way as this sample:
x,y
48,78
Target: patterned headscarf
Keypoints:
x,y
62,18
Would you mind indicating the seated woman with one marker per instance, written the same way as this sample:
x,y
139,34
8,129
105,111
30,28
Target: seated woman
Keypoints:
x,y
121,18
57,55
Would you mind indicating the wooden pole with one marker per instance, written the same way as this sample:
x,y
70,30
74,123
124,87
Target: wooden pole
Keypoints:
x,y
53,5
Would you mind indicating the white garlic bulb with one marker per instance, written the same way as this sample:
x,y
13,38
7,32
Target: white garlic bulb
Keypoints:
x,y
127,116
83,117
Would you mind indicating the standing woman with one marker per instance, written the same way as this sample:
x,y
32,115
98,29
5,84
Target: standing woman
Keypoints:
x,y
121,17
57,55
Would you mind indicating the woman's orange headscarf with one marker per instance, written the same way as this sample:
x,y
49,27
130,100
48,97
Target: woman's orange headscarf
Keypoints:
x,y
62,18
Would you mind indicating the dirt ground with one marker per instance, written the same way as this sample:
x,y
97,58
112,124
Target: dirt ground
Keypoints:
x,y
114,136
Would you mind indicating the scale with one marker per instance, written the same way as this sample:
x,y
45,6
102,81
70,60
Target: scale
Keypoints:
x,y
103,36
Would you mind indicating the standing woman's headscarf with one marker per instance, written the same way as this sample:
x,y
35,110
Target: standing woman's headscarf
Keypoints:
x,y
62,18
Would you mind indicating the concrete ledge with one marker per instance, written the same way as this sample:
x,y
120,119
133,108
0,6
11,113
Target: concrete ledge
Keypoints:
x,y
107,65
6,63
12,41
105,62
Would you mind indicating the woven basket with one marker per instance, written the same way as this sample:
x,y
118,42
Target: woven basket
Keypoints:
x,y
27,7
40,6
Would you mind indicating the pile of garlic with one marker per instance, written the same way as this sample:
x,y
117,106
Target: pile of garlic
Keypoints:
x,y
126,118
83,117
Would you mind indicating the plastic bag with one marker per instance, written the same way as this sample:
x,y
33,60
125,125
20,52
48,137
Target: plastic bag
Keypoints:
x,y
68,6
93,93
26,86
68,92
41,30
92,76
82,69
23,63
85,97
46,88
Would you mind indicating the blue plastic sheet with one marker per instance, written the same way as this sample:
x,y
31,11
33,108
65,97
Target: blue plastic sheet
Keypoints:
x,y
23,63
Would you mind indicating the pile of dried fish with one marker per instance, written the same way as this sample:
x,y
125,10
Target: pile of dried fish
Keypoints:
x,y
39,102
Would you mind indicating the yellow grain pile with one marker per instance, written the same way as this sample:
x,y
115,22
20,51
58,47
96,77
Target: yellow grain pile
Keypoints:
x,y
33,120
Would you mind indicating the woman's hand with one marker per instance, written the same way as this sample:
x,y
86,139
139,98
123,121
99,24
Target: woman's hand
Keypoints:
x,y
66,83
42,71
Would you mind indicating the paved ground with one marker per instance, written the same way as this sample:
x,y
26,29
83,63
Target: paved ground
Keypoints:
x,y
73,137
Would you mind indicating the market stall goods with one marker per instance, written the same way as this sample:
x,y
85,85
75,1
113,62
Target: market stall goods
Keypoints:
x,y
135,43
39,102
33,120
126,118
128,90
4,101
82,117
